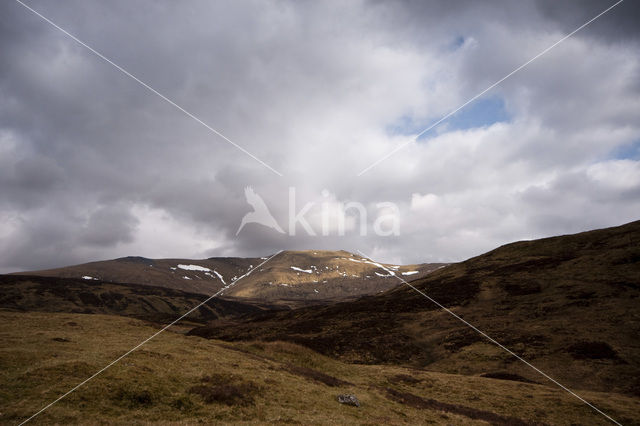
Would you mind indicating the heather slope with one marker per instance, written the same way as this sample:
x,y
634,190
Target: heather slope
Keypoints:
x,y
568,304
177,379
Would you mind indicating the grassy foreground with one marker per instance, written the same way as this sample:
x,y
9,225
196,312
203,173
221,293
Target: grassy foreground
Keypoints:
x,y
177,379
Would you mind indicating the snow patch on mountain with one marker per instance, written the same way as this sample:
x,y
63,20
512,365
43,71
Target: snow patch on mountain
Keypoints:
x,y
194,268
219,276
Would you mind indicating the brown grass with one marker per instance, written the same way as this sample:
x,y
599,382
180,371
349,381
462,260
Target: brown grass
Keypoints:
x,y
472,413
404,378
176,379
228,389
317,376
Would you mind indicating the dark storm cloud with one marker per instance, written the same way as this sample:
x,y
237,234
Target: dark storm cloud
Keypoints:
x,y
571,14
92,165
568,15
108,226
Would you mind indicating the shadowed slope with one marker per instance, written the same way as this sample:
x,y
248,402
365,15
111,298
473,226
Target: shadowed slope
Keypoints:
x,y
50,294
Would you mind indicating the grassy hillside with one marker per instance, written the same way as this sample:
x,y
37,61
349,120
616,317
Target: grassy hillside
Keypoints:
x,y
177,379
568,304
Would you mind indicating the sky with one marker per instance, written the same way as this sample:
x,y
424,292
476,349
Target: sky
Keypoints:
x,y
94,166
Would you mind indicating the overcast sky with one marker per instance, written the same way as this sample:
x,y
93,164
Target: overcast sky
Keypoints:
x,y
95,166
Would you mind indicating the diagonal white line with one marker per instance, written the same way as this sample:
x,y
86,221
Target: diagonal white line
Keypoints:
x,y
146,340
492,340
402,145
146,86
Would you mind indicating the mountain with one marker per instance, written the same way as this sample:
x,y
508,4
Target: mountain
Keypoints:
x,y
567,304
316,275
291,278
195,276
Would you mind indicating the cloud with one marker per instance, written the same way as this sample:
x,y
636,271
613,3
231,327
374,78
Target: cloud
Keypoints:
x,y
92,165
108,226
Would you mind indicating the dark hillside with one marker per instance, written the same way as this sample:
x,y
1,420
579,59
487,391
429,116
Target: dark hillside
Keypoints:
x,y
568,304
50,294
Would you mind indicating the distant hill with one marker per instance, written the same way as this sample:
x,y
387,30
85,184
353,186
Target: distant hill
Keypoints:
x,y
568,304
292,277
323,276
195,276
24,293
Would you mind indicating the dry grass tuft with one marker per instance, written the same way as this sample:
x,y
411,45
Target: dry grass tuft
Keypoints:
x,y
229,394
226,389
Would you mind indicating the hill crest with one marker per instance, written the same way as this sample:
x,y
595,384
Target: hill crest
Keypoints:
x,y
292,278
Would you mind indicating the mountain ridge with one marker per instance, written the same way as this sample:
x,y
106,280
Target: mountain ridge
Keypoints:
x,y
292,278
